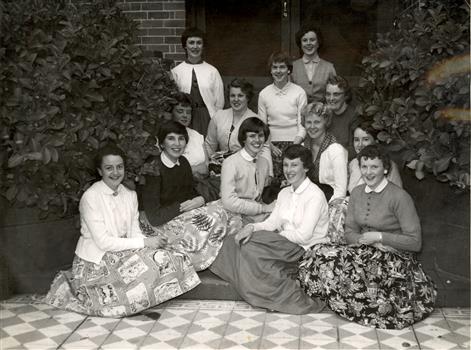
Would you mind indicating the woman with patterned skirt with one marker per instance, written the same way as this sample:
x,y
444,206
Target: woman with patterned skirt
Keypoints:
x,y
117,271
172,208
375,279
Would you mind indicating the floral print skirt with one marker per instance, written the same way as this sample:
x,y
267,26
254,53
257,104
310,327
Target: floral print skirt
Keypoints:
x,y
199,233
372,286
123,283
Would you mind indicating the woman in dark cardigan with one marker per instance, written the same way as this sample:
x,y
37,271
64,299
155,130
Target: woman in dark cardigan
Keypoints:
x,y
170,205
375,279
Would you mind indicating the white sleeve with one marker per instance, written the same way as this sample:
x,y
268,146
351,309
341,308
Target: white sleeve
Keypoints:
x,y
218,91
339,158
302,102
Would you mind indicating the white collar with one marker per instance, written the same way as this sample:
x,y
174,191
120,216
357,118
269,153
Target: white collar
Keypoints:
x,y
167,161
307,60
247,156
378,188
283,90
107,190
301,187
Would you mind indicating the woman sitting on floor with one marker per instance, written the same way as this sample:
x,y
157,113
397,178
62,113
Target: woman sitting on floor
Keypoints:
x,y
364,135
375,280
261,261
171,206
117,271
245,174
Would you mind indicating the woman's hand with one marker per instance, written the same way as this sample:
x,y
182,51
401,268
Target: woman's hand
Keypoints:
x,y
155,242
192,204
370,237
275,150
268,208
243,236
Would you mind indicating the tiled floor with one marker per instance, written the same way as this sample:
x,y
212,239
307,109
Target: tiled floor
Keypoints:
x,y
188,324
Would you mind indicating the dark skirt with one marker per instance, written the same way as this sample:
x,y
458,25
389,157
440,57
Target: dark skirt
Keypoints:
x,y
263,271
368,285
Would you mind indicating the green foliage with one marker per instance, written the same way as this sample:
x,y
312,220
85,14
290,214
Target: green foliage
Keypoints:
x,y
71,79
415,87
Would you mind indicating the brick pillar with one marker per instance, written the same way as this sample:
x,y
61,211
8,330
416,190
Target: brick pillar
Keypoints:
x,y
161,23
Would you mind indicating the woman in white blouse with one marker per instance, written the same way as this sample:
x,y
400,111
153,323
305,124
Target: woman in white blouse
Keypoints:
x,y
117,271
330,158
261,259
201,80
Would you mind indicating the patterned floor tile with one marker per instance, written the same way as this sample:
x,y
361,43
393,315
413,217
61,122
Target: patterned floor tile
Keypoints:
x,y
355,336
397,339
279,343
93,332
279,325
36,325
435,333
205,335
315,336
129,333
168,332
244,329
320,319
242,305
217,317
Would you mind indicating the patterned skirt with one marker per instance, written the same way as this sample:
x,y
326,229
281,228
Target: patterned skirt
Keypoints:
x,y
124,283
372,286
199,233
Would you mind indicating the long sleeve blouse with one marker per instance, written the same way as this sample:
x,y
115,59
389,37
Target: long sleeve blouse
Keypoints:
x,y
242,183
300,215
333,169
194,151
209,82
355,178
391,211
281,110
165,190
109,221
315,88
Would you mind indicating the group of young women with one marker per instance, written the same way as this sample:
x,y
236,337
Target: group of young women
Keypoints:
x,y
261,199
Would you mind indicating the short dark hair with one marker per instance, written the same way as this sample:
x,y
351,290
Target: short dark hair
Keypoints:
x,y
366,125
243,85
169,127
306,28
280,57
373,152
252,124
183,99
108,150
301,152
343,84
192,32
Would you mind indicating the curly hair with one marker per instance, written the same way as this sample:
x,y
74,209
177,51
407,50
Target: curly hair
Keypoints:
x,y
318,109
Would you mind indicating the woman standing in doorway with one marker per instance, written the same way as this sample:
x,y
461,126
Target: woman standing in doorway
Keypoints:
x,y
201,80
310,71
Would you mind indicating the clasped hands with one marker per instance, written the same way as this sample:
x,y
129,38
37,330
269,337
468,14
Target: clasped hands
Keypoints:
x,y
244,235
370,237
191,204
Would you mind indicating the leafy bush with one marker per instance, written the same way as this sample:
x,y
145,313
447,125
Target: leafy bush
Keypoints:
x,y
71,79
415,87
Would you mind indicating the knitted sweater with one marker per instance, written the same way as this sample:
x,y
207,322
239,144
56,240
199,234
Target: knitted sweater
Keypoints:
x,y
390,211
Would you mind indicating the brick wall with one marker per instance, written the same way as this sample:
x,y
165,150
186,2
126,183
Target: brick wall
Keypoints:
x,y
160,24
